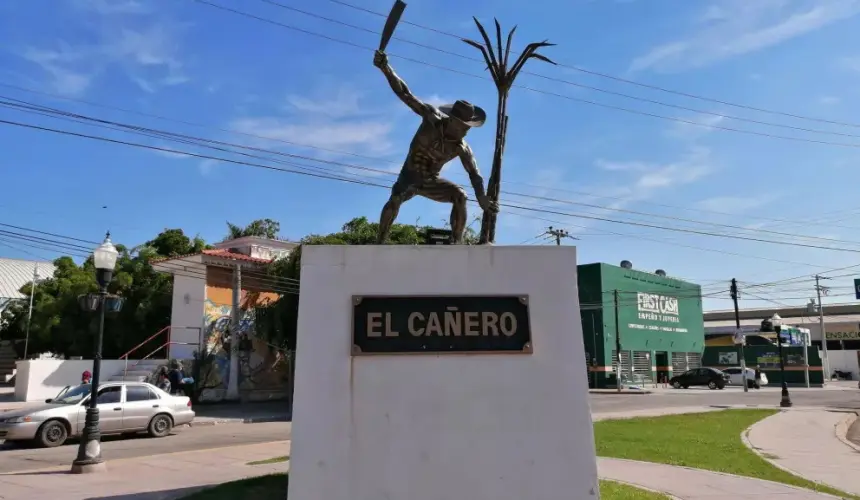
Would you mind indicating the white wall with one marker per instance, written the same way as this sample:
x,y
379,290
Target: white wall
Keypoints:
x,y
845,361
431,427
189,296
40,379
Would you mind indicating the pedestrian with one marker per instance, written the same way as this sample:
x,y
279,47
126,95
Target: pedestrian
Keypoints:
x,y
176,375
757,377
86,377
162,380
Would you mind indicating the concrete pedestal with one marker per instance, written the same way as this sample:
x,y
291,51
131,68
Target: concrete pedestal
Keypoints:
x,y
441,426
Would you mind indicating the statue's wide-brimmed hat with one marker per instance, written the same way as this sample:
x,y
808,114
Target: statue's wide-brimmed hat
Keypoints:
x,y
466,112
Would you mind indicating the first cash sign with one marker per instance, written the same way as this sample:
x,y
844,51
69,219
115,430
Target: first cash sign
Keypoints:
x,y
439,324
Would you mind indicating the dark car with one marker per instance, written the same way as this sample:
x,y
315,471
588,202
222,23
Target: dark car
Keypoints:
x,y
711,377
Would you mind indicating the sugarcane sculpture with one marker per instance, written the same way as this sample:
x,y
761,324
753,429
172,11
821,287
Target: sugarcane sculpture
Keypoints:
x,y
503,76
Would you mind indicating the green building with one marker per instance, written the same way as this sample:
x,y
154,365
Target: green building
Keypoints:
x,y
658,321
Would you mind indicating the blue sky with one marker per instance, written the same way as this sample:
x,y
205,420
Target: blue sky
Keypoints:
x,y
188,61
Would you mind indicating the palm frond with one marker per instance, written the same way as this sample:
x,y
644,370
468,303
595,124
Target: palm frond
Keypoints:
x,y
487,43
483,50
508,46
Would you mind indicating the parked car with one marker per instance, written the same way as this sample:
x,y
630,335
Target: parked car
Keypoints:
x,y
711,377
124,408
736,377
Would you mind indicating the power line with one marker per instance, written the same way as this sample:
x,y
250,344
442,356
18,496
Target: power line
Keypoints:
x,y
623,80
353,154
562,80
545,92
192,140
367,183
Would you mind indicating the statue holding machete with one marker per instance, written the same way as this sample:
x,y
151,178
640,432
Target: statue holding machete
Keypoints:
x,y
439,139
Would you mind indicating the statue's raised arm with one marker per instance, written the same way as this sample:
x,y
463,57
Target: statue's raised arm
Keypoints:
x,y
380,60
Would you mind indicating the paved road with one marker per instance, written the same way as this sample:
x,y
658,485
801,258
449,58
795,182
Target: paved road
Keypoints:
x,y
15,459
206,437
611,403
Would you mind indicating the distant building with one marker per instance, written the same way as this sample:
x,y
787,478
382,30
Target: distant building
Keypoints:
x,y
656,319
15,273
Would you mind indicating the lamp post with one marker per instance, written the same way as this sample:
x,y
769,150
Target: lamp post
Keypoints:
x,y
785,400
89,457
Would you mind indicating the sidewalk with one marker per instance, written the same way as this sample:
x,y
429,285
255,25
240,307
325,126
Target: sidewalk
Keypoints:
x,y
173,475
190,471
805,443
695,484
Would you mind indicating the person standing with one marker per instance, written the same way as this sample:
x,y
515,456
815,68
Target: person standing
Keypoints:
x,y
757,377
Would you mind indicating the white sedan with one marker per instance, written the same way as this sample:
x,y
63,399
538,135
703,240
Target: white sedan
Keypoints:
x,y
736,376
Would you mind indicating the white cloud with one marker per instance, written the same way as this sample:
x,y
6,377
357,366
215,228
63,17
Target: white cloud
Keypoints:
x,y
63,79
343,102
731,28
649,177
369,136
695,126
149,56
170,154
829,100
851,63
111,7
736,204
207,166
437,100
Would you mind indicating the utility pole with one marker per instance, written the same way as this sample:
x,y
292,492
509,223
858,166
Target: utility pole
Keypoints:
x,y
739,334
30,312
617,344
236,318
558,234
826,363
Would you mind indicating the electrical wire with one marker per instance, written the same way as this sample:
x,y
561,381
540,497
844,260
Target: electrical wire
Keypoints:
x,y
619,79
561,80
545,92
303,170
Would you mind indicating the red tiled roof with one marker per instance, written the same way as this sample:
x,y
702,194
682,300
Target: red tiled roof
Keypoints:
x,y
223,254
227,254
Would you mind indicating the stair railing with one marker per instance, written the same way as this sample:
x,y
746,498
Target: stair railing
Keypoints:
x,y
138,346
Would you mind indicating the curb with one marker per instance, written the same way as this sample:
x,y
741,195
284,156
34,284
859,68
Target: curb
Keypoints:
x,y
841,430
249,420
643,488
622,393
726,474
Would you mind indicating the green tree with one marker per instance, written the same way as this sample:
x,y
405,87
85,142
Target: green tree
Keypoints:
x,y
276,322
59,325
263,228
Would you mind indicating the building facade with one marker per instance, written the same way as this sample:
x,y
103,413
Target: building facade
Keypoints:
x,y
654,321
202,314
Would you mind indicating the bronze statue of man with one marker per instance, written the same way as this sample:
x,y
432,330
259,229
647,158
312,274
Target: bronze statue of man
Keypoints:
x,y
439,139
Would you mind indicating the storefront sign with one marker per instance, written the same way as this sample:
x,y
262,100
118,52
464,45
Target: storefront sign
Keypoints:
x,y
849,335
442,324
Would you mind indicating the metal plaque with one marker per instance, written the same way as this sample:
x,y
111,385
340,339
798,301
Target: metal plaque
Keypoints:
x,y
440,324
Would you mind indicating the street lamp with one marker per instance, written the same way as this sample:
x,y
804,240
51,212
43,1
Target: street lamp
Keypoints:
x,y
785,400
89,457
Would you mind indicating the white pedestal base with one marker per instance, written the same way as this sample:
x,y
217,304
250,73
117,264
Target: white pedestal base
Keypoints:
x,y
446,426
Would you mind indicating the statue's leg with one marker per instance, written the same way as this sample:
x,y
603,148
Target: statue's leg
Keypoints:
x,y
445,191
399,195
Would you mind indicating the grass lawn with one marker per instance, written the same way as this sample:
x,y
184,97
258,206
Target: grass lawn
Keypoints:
x,y
709,441
275,487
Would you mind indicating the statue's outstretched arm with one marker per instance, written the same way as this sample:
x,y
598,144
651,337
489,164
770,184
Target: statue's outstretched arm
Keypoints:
x,y
380,60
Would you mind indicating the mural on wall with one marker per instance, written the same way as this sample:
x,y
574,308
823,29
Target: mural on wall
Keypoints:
x,y
261,367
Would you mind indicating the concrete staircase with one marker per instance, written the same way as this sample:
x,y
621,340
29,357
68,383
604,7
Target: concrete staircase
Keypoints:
x,y
7,363
139,371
